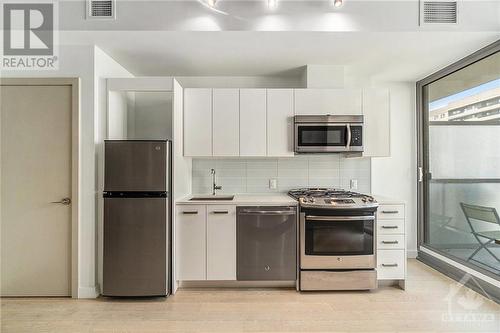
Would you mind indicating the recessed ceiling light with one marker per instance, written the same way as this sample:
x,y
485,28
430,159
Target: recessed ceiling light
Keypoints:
x,y
272,4
211,3
338,3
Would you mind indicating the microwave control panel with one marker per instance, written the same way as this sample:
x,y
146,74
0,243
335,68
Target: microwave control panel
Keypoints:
x,y
356,135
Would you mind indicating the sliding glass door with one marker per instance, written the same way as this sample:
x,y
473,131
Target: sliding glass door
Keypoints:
x,y
459,158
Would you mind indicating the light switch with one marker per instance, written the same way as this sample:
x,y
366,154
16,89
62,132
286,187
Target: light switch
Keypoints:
x,y
273,184
353,184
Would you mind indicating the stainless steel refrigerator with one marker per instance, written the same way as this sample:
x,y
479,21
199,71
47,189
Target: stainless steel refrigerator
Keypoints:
x,y
137,218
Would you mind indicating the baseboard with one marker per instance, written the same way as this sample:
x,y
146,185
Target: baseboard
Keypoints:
x,y
88,292
411,254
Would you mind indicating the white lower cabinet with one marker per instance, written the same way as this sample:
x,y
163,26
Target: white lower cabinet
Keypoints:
x,y
191,242
390,264
221,242
391,242
206,242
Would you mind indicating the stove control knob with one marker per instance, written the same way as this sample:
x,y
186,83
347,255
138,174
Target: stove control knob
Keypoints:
x,y
364,199
371,199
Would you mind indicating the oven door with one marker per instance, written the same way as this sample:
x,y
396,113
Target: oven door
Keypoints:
x,y
322,137
337,242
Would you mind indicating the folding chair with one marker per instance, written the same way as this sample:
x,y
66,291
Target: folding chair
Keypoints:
x,y
484,214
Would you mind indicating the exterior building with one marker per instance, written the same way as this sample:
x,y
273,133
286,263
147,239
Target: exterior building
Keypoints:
x,y
484,106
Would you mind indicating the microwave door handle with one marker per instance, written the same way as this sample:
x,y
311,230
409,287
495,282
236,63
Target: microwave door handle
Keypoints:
x,y
348,145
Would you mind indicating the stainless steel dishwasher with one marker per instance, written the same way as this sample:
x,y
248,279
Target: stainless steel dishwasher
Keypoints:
x,y
266,243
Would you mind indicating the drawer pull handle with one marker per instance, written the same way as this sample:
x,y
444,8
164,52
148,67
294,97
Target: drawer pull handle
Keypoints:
x,y
390,242
389,227
220,212
389,265
390,211
190,212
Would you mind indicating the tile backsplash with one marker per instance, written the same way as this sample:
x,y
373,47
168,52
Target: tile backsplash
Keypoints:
x,y
252,175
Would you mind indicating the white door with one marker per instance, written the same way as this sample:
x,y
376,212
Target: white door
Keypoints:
x,y
253,122
328,101
226,122
221,242
35,171
280,122
191,242
197,122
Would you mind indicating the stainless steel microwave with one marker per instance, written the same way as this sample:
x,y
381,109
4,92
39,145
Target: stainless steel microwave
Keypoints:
x,y
328,134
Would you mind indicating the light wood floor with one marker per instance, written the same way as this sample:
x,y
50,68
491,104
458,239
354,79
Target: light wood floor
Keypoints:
x,y
424,307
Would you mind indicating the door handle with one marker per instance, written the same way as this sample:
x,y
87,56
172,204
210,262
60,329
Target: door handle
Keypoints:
x,y
64,201
220,212
389,265
390,242
190,212
390,211
389,227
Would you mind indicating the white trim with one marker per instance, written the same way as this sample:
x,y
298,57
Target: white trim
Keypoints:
x,y
88,292
411,254
462,267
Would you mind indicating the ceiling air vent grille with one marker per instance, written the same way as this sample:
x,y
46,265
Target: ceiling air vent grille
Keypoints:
x,y
104,9
438,12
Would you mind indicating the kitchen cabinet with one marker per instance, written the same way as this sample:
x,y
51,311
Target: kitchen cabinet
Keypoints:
x,y
206,242
253,122
226,123
280,112
391,242
376,112
221,242
328,101
197,122
191,242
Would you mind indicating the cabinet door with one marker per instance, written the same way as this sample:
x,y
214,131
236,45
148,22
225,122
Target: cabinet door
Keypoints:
x,y
252,122
328,101
376,111
280,122
191,242
197,122
226,123
221,242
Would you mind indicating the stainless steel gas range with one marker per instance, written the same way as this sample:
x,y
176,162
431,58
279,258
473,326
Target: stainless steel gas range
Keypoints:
x,y
336,239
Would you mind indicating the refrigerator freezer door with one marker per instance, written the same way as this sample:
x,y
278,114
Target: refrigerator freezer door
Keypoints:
x,y
135,247
136,166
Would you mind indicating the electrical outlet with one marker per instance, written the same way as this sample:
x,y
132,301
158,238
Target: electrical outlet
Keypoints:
x,y
353,184
273,184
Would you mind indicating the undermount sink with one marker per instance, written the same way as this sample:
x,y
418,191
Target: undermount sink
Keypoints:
x,y
212,197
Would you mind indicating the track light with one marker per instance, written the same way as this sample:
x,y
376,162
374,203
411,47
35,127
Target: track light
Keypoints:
x,y
211,3
338,3
272,4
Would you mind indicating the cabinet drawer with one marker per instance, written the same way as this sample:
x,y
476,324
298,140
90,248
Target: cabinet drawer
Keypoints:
x,y
390,227
390,264
390,241
391,212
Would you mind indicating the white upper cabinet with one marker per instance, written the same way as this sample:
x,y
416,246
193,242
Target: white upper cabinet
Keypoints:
x,y
376,131
328,101
226,122
253,122
197,122
280,122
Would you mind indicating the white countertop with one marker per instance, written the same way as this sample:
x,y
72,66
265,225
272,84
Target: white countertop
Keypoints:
x,y
269,199
266,199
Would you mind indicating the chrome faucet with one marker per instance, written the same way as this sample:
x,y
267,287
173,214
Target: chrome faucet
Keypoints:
x,y
215,187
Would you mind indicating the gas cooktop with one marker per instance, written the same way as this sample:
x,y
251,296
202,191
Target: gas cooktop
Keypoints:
x,y
332,198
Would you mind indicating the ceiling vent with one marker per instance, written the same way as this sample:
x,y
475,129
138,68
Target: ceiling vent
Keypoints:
x,y
101,9
443,12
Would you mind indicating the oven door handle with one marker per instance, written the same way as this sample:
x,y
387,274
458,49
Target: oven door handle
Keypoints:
x,y
339,218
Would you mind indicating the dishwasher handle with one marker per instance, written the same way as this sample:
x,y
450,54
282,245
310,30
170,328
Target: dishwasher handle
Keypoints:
x,y
266,212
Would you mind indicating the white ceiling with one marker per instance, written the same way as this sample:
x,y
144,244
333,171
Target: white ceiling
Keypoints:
x,y
400,56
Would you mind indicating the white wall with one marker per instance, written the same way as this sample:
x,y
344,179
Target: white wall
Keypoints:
x,y
396,176
104,67
77,61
